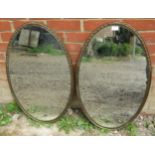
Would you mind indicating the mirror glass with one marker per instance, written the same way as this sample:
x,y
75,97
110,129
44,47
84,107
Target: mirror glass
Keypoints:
x,y
113,76
39,72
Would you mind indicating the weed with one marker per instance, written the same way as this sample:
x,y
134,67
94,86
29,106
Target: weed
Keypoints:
x,y
146,124
84,124
86,59
6,112
67,123
12,107
131,129
46,48
104,131
5,118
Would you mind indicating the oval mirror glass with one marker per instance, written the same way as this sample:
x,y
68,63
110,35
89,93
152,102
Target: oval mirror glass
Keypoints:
x,y
39,72
114,76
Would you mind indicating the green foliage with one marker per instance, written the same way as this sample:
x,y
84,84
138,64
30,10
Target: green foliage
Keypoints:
x,y
113,49
131,129
5,118
153,133
139,50
84,124
46,48
69,123
110,48
6,112
86,59
104,131
146,124
12,107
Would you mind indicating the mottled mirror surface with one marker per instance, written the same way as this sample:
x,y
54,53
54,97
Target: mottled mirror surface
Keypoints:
x,y
39,72
113,76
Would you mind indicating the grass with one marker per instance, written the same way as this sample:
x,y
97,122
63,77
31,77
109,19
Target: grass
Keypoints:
x,y
72,123
46,48
6,112
146,124
67,123
104,131
131,129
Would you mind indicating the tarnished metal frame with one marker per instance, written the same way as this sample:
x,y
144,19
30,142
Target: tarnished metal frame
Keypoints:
x,y
78,69
69,63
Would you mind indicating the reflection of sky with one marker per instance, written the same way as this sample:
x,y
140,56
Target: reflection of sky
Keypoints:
x,y
115,28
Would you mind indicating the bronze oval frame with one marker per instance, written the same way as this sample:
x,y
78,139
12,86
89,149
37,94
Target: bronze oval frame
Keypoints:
x,y
133,30
69,65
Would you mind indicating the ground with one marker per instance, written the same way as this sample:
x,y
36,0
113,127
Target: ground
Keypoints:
x,y
74,124
112,89
122,94
42,82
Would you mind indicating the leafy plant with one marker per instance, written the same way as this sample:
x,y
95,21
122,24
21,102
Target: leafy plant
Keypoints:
x,y
146,124
86,59
12,107
46,48
131,129
67,123
6,112
104,131
139,50
84,124
5,118
110,48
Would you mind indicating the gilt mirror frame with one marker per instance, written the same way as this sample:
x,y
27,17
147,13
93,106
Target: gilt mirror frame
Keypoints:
x,y
148,60
52,33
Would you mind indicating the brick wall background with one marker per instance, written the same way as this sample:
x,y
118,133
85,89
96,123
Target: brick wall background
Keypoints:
x,y
73,33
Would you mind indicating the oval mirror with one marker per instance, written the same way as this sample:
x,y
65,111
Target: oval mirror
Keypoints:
x,y
113,76
39,72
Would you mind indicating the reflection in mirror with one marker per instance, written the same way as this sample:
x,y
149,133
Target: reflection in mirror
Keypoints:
x,y
113,76
39,72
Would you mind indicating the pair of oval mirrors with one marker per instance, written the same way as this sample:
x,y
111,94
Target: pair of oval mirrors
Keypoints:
x,y
113,74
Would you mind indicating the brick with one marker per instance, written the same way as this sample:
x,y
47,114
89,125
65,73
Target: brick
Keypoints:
x,y
149,37
39,19
6,36
18,23
75,48
141,24
3,66
5,26
74,58
90,25
3,47
77,37
64,25
61,35
2,57
152,60
151,49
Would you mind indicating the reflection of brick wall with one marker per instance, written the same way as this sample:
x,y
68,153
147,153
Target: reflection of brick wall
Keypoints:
x,y
74,32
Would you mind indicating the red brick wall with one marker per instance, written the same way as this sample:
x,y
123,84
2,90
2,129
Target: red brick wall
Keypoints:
x,y
74,32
